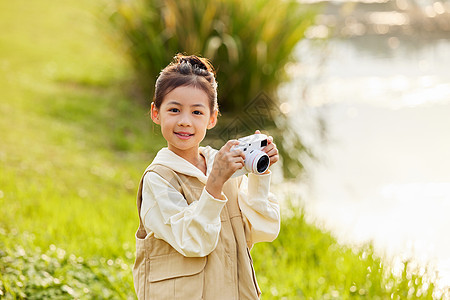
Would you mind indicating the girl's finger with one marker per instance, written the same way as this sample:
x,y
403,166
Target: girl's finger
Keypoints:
x,y
274,159
272,152
227,147
238,153
238,159
269,147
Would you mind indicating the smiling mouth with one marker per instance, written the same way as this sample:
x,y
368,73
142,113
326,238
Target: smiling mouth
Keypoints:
x,y
184,135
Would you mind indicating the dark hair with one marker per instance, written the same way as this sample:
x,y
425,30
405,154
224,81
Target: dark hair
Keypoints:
x,y
187,71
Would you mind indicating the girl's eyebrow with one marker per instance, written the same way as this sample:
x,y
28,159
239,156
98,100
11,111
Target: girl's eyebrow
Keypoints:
x,y
178,103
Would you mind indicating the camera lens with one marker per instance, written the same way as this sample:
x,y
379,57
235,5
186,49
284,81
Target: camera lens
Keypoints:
x,y
263,164
257,162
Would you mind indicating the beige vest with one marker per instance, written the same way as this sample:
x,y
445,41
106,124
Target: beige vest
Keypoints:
x,y
160,272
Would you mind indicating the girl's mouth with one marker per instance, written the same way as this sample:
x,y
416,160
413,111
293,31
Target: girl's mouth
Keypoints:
x,y
184,135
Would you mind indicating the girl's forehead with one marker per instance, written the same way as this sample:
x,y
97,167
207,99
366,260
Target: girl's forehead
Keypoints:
x,y
186,95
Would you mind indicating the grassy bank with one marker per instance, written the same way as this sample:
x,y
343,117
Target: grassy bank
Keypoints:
x,y
72,149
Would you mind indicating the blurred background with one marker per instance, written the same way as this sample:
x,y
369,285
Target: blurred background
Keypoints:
x,y
355,93
381,83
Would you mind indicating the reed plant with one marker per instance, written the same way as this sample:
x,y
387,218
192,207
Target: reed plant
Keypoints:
x,y
249,42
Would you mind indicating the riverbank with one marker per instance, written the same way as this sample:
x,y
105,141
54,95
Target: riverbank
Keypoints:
x,y
382,171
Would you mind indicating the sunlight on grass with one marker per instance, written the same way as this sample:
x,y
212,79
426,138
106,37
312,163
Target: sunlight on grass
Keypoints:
x,y
73,146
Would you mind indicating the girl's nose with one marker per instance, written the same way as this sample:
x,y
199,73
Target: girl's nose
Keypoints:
x,y
184,121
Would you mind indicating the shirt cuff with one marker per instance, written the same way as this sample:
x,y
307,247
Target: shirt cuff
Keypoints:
x,y
259,185
209,208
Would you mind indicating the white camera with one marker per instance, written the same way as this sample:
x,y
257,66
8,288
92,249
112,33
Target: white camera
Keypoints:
x,y
256,161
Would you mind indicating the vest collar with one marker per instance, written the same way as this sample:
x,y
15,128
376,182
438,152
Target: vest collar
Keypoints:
x,y
169,159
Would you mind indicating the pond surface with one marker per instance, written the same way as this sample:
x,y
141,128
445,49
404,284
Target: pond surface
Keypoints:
x,y
383,173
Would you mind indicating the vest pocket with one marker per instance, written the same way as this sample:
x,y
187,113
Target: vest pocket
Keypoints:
x,y
174,276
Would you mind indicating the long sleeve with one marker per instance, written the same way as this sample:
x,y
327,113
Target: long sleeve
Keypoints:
x,y
259,207
193,230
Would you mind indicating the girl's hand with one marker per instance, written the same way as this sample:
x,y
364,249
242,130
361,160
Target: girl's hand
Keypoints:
x,y
271,150
226,162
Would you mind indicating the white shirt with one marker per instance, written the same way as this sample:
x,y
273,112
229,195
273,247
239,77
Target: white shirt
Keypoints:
x,y
193,230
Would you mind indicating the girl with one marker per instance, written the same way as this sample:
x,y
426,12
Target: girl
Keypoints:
x,y
196,223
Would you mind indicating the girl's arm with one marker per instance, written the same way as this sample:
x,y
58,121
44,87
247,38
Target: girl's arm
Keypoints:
x,y
193,230
259,208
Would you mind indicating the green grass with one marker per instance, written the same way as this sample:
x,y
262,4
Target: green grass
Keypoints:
x,y
306,262
72,150
72,145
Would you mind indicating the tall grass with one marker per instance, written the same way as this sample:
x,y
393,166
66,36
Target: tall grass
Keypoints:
x,y
72,149
249,42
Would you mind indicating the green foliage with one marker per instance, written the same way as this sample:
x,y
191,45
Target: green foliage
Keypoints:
x,y
26,272
249,42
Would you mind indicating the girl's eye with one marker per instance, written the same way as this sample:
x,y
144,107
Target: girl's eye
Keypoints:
x,y
197,112
174,110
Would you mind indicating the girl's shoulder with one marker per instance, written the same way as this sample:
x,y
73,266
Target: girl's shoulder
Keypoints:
x,y
160,175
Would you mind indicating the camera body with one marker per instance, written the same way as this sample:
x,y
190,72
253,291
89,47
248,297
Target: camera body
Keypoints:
x,y
256,161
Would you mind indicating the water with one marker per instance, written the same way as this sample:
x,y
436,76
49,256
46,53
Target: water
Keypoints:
x,y
384,170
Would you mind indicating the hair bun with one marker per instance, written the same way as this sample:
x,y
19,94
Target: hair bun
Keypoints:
x,y
195,64
194,61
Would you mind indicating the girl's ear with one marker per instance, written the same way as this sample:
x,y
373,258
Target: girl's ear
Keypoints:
x,y
155,114
213,119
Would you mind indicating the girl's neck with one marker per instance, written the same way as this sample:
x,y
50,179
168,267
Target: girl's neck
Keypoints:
x,y
193,156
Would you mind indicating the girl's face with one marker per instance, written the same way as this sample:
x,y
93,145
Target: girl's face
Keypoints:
x,y
184,116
